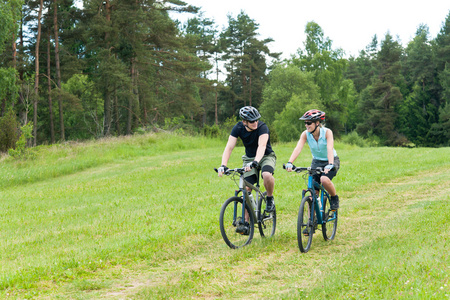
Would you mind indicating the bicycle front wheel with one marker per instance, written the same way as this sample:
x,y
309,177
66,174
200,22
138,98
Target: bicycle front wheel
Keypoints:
x,y
305,224
267,222
231,223
330,219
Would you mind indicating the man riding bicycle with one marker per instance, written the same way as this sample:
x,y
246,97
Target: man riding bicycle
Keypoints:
x,y
258,151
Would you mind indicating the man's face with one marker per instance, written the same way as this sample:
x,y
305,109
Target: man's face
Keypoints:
x,y
252,125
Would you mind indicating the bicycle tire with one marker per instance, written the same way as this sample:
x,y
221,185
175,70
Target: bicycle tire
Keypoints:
x,y
305,225
230,211
267,222
330,220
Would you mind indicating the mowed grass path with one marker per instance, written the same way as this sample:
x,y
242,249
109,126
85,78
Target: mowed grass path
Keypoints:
x,y
137,218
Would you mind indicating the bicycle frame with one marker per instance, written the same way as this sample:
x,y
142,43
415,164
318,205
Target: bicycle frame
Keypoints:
x,y
318,207
242,188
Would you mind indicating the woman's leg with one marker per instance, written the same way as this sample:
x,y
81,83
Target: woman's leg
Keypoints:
x,y
328,185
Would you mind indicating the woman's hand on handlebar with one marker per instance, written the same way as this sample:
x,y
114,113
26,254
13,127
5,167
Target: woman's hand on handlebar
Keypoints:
x,y
289,167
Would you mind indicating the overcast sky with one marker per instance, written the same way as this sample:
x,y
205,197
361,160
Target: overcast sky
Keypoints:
x,y
350,24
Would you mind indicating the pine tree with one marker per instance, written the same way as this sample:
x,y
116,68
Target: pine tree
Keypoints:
x,y
380,101
245,57
419,111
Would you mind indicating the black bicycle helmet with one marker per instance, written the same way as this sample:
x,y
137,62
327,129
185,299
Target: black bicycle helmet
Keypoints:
x,y
313,115
249,113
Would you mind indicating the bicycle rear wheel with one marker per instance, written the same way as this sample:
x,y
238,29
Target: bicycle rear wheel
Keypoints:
x,y
330,219
305,224
267,222
230,217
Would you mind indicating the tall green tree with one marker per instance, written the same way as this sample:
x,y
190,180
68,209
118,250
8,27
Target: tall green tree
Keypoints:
x,y
328,67
419,109
380,101
37,75
58,66
245,61
442,46
201,35
144,68
9,25
284,82
441,129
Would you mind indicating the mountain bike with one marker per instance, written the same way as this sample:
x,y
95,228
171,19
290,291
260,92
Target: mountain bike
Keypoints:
x,y
314,210
240,214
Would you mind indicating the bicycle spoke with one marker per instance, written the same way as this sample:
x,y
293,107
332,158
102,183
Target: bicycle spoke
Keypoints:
x,y
231,224
267,222
305,225
330,219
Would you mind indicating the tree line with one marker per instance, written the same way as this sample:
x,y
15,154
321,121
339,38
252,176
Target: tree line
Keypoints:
x,y
114,67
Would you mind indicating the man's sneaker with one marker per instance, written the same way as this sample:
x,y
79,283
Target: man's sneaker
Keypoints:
x,y
334,202
270,207
243,228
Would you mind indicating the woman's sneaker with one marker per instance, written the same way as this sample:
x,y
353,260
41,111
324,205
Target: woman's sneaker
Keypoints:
x,y
334,202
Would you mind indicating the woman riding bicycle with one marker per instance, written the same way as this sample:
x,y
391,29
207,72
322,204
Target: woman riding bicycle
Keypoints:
x,y
321,143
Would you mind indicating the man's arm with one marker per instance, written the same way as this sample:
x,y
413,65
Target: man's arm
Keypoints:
x,y
262,144
227,152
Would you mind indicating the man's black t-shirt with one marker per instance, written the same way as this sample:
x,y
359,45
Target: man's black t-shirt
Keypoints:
x,y
250,138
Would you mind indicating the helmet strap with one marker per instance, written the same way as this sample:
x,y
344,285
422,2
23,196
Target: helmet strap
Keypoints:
x,y
249,129
314,128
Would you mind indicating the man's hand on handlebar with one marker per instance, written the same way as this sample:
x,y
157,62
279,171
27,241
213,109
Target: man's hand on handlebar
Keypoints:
x,y
251,165
222,169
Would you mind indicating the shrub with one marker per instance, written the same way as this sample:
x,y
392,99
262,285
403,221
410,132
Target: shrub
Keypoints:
x,y
180,125
8,131
354,139
212,131
21,145
287,124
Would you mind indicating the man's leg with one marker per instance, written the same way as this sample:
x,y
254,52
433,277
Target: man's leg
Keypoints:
x,y
269,182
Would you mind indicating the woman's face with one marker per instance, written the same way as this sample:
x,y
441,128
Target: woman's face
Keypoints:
x,y
311,126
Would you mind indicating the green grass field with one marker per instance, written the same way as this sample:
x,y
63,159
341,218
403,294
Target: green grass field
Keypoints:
x,y
137,218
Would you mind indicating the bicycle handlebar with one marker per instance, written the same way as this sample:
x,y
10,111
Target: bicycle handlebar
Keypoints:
x,y
318,170
229,171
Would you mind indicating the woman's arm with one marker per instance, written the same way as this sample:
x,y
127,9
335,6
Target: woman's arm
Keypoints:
x,y
330,146
298,149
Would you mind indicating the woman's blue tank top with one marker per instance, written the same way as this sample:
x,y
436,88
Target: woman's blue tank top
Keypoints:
x,y
319,148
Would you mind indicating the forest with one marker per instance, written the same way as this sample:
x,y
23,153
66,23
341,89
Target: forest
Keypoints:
x,y
117,67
